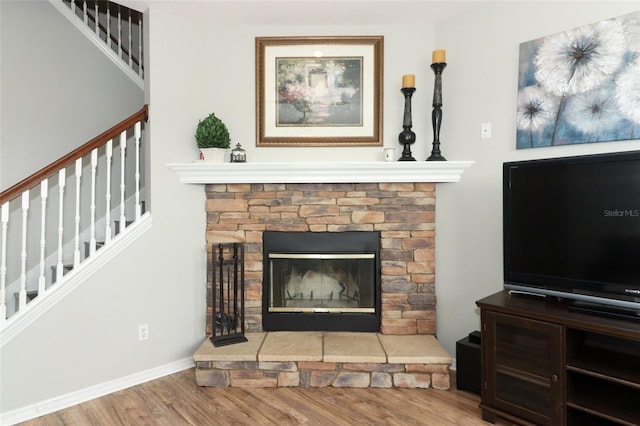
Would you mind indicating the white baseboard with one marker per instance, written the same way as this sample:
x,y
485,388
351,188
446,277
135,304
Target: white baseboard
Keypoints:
x,y
92,392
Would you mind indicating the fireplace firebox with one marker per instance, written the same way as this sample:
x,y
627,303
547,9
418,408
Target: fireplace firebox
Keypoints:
x,y
321,281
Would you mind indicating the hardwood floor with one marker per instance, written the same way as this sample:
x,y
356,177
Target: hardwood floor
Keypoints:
x,y
176,400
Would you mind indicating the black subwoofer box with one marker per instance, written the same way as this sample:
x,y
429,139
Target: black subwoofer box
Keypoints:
x,y
468,363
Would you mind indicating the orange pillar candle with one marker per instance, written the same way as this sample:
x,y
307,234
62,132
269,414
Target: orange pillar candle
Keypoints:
x,y
439,56
408,80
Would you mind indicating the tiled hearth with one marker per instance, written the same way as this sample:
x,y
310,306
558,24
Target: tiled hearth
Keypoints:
x,y
398,200
319,359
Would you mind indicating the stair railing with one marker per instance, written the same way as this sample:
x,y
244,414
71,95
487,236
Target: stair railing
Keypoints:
x,y
117,30
23,277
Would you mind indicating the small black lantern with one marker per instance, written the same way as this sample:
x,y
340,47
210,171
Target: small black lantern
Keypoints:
x,y
238,155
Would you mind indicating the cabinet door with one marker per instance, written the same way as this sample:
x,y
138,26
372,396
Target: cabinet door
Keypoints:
x,y
522,367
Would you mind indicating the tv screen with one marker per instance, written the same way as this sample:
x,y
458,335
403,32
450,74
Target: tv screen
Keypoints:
x,y
572,228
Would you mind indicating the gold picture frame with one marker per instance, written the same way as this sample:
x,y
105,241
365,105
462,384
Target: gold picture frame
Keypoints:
x,y
319,91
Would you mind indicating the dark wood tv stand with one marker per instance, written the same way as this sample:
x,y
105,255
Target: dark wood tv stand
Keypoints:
x,y
545,364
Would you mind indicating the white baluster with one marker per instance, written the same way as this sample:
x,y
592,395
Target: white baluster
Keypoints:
x,y
4,219
140,58
119,32
138,207
123,148
130,41
76,240
85,13
44,193
92,230
22,298
107,216
62,181
97,15
109,25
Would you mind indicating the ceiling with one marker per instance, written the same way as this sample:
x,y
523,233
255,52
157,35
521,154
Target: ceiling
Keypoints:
x,y
313,12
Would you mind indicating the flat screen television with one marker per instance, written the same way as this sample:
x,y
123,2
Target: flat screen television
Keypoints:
x,y
572,230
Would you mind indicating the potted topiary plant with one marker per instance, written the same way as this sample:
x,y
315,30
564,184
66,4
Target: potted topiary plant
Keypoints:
x,y
212,137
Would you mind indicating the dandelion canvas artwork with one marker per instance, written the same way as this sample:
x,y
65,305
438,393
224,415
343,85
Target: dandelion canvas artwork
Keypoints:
x,y
319,91
581,85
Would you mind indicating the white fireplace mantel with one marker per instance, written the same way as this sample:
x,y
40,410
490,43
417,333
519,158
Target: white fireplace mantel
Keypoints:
x,y
201,172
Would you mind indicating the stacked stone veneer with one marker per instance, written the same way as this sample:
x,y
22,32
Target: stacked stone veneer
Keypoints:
x,y
404,213
313,374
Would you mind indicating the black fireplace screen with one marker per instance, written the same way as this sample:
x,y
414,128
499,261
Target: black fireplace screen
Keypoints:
x,y
327,281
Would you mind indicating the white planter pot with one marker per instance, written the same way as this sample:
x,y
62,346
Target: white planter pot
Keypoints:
x,y
213,155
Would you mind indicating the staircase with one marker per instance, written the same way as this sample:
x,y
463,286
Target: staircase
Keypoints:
x,y
115,29
63,226
90,198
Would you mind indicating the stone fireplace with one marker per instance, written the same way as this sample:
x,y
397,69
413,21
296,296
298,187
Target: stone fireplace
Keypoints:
x,y
402,213
395,201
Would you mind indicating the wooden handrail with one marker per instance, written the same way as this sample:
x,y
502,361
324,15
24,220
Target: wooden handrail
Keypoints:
x,y
71,157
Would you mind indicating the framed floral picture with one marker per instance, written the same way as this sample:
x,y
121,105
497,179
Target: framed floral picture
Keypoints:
x,y
581,85
319,91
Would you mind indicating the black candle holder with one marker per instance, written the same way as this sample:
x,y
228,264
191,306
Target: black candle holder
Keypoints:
x,y
407,137
436,115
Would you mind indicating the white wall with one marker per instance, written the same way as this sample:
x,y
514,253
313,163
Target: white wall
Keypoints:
x,y
228,89
48,105
195,68
480,85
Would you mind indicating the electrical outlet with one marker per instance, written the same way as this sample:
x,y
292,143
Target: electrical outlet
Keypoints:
x,y
143,332
485,130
